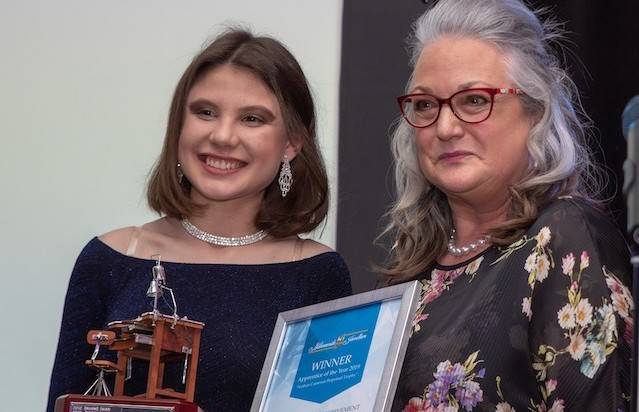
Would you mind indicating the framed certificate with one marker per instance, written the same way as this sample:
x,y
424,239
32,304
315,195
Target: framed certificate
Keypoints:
x,y
341,355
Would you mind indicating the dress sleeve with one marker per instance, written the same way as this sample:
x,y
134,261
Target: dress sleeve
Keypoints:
x,y
580,312
83,310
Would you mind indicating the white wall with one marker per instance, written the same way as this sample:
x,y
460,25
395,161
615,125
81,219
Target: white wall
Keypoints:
x,y
85,87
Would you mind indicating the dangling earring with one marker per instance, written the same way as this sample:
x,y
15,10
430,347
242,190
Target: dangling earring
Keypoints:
x,y
180,174
286,177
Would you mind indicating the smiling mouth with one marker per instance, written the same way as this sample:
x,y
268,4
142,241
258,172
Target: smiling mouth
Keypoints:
x,y
223,164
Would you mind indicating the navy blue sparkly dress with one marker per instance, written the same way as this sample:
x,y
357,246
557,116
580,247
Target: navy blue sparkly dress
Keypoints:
x,y
238,303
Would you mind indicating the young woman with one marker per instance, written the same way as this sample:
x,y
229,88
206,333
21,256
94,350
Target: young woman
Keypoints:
x,y
240,176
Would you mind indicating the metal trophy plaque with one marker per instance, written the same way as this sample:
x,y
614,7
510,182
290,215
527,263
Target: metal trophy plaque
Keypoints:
x,y
154,337
85,403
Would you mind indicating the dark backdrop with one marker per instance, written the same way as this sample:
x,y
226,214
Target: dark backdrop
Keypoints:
x,y
604,64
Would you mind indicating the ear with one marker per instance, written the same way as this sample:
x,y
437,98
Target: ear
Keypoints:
x,y
293,147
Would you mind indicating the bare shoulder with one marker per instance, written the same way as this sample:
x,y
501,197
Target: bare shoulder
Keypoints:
x,y
118,239
310,248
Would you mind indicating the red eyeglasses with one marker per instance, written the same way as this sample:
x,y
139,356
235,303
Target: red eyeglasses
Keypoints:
x,y
470,105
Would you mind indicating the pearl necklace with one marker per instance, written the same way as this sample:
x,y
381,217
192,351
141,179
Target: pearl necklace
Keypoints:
x,y
222,240
467,248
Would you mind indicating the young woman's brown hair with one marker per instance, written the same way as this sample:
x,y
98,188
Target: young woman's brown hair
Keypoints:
x,y
305,206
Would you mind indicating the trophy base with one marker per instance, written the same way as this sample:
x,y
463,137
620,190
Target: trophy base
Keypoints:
x,y
85,403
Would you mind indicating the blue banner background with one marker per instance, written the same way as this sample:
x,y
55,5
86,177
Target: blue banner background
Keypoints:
x,y
335,353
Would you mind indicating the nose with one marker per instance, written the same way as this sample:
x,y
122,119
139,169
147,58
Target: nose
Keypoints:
x,y
448,125
223,132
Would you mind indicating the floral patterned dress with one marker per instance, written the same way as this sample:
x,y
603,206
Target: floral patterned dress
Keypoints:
x,y
544,324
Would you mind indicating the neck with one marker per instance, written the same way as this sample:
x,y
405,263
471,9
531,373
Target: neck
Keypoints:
x,y
228,218
472,222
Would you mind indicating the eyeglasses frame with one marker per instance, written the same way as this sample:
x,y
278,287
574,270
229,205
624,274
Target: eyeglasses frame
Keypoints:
x,y
490,90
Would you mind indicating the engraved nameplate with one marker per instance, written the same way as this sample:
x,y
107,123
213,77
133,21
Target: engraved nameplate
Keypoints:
x,y
87,403
109,407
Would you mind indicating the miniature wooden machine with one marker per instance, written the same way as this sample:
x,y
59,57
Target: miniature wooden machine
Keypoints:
x,y
153,337
158,339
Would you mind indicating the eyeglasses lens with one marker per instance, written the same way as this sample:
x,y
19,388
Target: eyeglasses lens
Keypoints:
x,y
421,110
472,106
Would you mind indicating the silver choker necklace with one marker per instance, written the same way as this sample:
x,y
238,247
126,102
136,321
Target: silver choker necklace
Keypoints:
x,y
467,248
222,240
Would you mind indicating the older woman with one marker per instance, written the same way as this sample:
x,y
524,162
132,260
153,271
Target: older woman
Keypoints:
x,y
240,176
525,304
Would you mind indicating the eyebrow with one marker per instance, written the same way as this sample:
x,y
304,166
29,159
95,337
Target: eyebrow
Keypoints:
x,y
259,108
467,85
422,89
470,84
243,109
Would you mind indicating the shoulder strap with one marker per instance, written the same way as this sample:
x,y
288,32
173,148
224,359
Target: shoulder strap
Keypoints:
x,y
133,242
297,249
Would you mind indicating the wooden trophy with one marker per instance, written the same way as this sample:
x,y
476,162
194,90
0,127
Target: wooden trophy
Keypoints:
x,y
153,337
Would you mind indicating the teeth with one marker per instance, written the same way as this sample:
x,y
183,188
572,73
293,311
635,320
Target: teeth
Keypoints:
x,y
223,164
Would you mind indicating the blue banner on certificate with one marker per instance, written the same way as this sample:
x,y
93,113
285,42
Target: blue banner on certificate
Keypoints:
x,y
335,353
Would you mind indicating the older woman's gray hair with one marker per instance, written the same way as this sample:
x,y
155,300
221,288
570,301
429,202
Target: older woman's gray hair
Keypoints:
x,y
559,160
